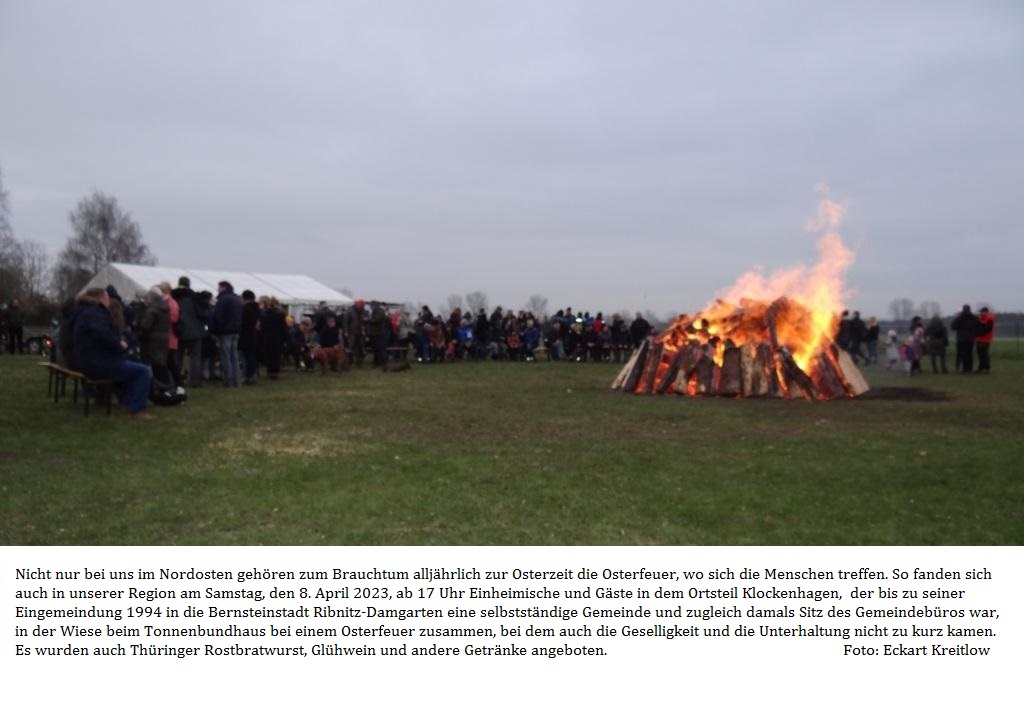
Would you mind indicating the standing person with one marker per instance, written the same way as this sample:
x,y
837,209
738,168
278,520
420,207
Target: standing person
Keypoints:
x,y
172,338
226,324
209,351
15,327
273,336
638,331
377,330
323,312
354,318
858,331
100,353
248,337
871,340
190,341
936,341
892,350
843,334
965,325
154,328
986,332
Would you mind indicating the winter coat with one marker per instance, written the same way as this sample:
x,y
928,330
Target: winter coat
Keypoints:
x,y
227,314
986,328
15,317
175,313
97,347
273,331
192,326
153,333
249,336
531,337
638,330
966,327
937,336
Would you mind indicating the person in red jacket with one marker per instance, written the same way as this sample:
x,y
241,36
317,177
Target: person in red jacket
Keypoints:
x,y
986,331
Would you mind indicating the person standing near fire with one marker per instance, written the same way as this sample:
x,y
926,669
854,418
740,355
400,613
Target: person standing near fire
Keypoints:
x,y
638,330
965,325
937,340
986,332
871,340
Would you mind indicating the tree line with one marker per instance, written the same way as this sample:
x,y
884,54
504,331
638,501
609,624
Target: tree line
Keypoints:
x,y
101,232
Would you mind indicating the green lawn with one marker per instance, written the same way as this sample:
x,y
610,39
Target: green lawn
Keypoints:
x,y
512,454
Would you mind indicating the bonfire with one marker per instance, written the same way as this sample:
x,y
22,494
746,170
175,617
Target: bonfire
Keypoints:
x,y
767,336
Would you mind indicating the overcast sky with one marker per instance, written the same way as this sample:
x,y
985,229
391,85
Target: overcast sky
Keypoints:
x,y
606,154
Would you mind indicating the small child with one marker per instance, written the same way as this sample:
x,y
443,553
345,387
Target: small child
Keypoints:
x,y
911,351
892,351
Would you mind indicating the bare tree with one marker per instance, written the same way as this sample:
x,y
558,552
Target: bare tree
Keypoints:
x,y
35,266
475,300
103,233
5,210
538,305
929,309
901,309
12,252
23,263
454,301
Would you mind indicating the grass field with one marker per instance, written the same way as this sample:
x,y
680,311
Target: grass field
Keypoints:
x,y
510,454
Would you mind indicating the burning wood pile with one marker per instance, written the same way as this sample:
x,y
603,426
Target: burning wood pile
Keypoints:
x,y
782,349
776,342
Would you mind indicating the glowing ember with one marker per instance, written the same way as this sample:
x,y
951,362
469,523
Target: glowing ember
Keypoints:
x,y
765,336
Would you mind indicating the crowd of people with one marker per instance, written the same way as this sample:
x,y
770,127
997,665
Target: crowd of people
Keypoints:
x,y
973,333
175,338
507,335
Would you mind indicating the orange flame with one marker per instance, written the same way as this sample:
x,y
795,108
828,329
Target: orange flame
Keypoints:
x,y
805,330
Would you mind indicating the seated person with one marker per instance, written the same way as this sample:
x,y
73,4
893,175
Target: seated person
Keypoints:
x,y
530,340
100,352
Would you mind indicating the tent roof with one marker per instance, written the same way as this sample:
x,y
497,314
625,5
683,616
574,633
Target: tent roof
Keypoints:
x,y
288,288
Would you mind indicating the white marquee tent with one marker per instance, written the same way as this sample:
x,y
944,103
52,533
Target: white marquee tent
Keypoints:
x,y
298,293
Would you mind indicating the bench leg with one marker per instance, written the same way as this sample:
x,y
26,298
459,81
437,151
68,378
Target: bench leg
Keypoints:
x,y
85,394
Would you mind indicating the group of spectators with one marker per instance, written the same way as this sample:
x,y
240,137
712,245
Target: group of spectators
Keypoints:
x,y
507,335
974,333
176,338
173,338
854,334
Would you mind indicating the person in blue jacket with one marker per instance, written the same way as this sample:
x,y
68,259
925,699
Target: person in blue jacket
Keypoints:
x,y
226,324
101,353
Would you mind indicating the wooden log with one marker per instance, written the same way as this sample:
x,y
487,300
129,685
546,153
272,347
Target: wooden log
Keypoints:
x,y
796,380
766,358
731,381
639,358
620,379
855,381
775,310
650,369
748,369
828,378
692,354
669,377
755,370
705,373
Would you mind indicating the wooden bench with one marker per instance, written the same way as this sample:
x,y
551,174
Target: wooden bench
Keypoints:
x,y
398,353
57,384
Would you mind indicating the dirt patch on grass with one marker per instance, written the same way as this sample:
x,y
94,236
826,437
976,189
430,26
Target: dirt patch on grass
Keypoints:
x,y
274,442
903,393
